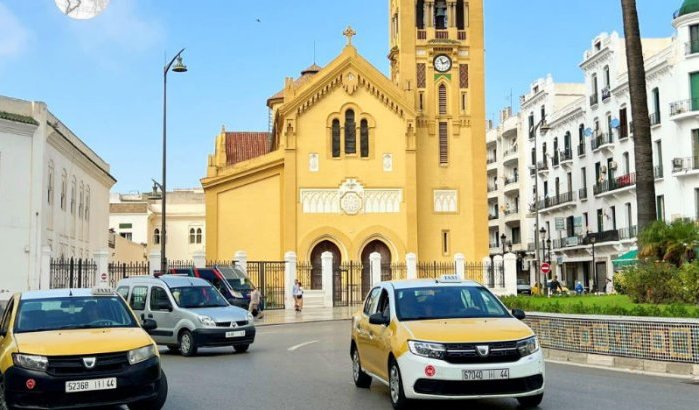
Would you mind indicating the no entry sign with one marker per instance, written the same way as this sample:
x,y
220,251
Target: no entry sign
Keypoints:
x,y
545,268
103,277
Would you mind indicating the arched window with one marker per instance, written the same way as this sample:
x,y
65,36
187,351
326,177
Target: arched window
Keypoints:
x,y
81,204
72,196
64,188
440,15
50,184
192,236
460,15
336,138
364,138
87,203
156,236
350,133
199,235
442,99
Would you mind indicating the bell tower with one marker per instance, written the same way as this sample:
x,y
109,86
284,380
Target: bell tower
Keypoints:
x,y
437,59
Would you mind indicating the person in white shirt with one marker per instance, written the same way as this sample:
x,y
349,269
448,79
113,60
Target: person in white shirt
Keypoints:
x,y
297,293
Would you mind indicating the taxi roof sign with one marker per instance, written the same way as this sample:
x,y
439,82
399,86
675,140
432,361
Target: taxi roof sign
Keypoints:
x,y
450,278
102,291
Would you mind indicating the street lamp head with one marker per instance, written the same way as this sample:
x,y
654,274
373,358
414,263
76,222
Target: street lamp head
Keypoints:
x,y
179,66
548,242
503,238
542,232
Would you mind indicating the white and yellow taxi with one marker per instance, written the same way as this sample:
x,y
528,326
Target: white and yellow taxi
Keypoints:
x,y
445,339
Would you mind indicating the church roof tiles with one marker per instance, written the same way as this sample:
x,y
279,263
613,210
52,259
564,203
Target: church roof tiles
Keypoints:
x,y
242,146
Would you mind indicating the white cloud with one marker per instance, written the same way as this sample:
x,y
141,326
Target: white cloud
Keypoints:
x,y
14,37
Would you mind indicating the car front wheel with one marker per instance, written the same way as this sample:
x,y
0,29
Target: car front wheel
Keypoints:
x,y
361,379
3,404
530,402
241,348
158,401
395,384
188,346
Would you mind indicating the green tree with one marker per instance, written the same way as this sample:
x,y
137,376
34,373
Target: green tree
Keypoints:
x,y
673,243
643,148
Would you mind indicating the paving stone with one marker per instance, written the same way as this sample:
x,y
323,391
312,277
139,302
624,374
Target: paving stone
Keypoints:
x,y
628,363
600,360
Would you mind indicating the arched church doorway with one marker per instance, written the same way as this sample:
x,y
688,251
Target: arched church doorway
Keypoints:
x,y
316,262
373,246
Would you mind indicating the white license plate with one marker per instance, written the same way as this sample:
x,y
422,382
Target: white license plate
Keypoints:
x,y
239,333
491,374
91,385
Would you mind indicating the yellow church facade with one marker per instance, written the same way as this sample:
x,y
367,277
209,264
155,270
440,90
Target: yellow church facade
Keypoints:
x,y
358,162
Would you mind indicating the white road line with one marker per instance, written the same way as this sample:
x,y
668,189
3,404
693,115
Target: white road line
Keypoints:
x,y
298,346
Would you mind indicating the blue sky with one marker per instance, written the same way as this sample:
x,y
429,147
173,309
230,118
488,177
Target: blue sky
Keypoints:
x,y
103,77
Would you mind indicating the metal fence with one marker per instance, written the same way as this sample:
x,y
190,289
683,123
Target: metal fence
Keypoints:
x,y
118,271
304,274
72,273
495,275
350,279
394,271
269,278
434,270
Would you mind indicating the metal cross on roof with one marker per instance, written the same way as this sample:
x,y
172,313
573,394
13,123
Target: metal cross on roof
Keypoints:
x,y
349,33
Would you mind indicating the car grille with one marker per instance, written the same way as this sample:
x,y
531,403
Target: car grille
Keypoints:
x,y
73,365
498,352
478,387
228,324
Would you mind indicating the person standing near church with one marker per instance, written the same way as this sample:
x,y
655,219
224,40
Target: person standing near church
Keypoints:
x,y
297,293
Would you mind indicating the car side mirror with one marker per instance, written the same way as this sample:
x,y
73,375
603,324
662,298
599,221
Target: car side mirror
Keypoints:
x,y
164,305
149,324
379,319
518,314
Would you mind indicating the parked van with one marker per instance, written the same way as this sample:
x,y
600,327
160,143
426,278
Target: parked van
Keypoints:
x,y
232,282
190,313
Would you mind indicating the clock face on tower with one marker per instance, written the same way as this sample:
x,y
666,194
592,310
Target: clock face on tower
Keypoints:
x,y
442,63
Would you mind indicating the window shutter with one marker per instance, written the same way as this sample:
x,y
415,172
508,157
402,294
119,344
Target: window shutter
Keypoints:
x,y
364,138
442,99
336,138
350,133
443,143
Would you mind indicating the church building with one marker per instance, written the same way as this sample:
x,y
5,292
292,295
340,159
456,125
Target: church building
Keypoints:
x,y
358,162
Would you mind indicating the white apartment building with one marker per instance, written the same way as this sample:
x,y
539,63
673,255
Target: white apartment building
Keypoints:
x,y
585,162
137,217
54,194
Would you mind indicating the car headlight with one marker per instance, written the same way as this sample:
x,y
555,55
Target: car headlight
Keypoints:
x,y
251,318
142,354
426,349
528,346
207,321
30,362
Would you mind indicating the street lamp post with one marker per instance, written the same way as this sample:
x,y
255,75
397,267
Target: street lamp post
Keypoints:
x,y
548,249
594,262
503,240
178,68
542,234
543,128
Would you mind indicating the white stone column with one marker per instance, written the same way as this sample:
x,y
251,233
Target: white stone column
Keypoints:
x,y
375,266
154,261
327,280
460,262
510,261
241,260
101,258
411,264
199,259
45,274
487,263
289,276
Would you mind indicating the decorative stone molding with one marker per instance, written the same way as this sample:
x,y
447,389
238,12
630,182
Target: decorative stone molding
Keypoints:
x,y
351,199
445,201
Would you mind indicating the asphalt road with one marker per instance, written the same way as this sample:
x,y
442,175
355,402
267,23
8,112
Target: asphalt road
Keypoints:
x,y
307,366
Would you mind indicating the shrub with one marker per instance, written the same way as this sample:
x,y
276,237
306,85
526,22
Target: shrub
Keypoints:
x,y
652,282
689,282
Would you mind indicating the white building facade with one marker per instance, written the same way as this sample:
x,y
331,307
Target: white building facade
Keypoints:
x,y
54,194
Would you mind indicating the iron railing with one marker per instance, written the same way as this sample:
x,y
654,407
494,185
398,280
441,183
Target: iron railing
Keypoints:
x,y
511,180
268,277
658,171
684,106
394,271
556,200
654,118
434,270
594,99
566,155
581,149
601,140
606,93
351,281
615,183
582,193
72,273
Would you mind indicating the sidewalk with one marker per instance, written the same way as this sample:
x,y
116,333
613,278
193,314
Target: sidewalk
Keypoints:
x,y
280,317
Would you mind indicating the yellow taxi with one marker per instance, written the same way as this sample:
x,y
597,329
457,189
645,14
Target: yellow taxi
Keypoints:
x,y
445,339
76,348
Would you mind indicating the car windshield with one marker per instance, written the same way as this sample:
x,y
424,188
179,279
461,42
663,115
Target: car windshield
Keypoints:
x,y
191,297
88,312
447,302
236,278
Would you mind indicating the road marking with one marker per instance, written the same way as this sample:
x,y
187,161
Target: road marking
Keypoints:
x,y
300,345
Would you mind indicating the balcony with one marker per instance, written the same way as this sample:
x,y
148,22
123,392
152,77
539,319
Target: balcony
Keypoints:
x,y
685,166
684,108
554,201
594,99
493,216
601,237
567,242
492,188
614,184
461,35
555,161
654,119
542,166
602,140
510,154
581,149
566,156
606,94
658,171
511,211
628,233
582,194
422,34
441,35
491,160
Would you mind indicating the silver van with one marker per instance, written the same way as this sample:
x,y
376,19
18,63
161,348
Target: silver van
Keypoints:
x,y
189,312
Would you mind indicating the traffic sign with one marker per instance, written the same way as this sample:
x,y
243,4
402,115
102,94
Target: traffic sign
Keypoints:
x,y
104,277
545,268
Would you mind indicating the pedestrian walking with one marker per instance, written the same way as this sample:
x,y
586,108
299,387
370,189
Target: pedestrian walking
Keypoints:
x,y
297,293
555,286
255,307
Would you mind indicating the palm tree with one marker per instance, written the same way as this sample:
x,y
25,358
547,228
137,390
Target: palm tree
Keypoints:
x,y
643,148
673,243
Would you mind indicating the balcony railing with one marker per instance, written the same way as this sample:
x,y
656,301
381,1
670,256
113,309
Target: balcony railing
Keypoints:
x,y
511,151
600,140
684,106
566,155
511,211
492,216
692,47
594,99
658,171
685,164
462,35
492,188
511,180
542,165
556,200
601,237
582,193
628,233
493,245
654,118
567,242
615,183
581,149
422,35
491,160
606,93
441,34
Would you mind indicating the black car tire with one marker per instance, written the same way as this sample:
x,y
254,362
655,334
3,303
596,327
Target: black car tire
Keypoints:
x,y
187,345
175,349
530,402
361,379
395,383
158,401
3,404
241,348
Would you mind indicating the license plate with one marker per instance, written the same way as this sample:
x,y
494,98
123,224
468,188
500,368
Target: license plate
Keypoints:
x,y
492,374
239,333
91,385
